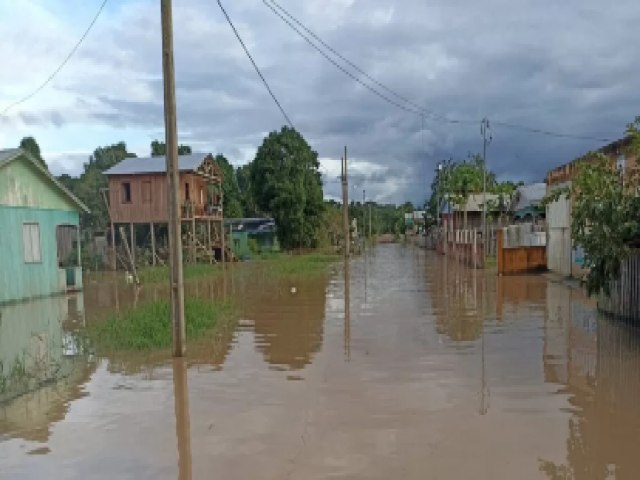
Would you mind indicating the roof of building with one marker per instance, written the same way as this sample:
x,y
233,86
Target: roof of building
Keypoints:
x,y
529,196
474,203
139,165
9,155
258,224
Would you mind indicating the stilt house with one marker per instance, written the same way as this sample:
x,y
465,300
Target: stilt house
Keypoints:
x,y
138,195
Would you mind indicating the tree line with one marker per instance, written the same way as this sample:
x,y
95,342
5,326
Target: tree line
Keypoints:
x,y
456,180
283,181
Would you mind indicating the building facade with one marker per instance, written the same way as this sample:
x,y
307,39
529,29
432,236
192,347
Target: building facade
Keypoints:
x,y
39,238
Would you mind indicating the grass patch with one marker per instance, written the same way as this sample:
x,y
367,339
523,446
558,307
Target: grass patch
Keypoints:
x,y
148,326
161,273
309,264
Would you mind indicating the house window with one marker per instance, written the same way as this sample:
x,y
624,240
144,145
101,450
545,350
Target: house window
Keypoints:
x,y
126,192
31,242
187,196
146,192
621,162
201,196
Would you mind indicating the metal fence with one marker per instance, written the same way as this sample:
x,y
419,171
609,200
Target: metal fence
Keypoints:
x,y
624,298
524,235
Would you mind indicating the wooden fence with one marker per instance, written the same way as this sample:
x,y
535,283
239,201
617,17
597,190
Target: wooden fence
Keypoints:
x,y
624,298
521,249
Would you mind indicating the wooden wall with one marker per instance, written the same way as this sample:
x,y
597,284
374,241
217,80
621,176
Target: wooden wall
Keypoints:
x,y
149,197
520,259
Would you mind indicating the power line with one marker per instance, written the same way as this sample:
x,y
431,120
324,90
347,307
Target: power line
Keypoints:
x,y
417,109
344,70
354,66
61,66
284,114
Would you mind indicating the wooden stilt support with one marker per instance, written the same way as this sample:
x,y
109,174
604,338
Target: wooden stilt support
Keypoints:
x,y
153,244
193,240
114,260
209,245
133,264
133,243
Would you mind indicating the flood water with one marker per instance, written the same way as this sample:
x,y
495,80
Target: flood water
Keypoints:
x,y
415,368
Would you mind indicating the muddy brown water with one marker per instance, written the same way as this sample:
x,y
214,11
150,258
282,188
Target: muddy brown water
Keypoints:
x,y
420,369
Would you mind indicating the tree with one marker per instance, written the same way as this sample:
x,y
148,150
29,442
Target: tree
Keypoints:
x,y
30,145
159,149
248,203
286,183
231,201
605,219
88,187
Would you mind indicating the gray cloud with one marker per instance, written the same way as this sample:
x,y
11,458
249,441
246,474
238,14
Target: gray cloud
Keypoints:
x,y
568,67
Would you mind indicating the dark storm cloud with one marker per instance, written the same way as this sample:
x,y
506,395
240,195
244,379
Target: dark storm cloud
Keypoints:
x,y
566,67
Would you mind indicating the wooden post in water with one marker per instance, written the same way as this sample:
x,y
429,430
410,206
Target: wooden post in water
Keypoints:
x,y
133,243
171,140
345,208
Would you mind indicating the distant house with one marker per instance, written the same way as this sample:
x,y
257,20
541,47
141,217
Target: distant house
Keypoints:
x,y
453,215
414,220
39,234
138,195
562,255
527,202
249,234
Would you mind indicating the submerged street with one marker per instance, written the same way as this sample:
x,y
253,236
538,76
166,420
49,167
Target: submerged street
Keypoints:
x,y
407,365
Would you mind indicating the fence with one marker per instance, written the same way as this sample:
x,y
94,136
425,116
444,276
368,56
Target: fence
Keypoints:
x,y
521,249
624,298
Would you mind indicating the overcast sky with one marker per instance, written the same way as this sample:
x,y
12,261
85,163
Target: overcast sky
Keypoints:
x,y
567,66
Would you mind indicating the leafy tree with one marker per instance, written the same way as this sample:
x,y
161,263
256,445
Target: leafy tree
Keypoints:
x,y
231,201
90,183
158,149
248,203
605,219
286,182
30,145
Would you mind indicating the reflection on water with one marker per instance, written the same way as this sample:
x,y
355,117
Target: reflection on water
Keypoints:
x,y
41,364
414,367
183,419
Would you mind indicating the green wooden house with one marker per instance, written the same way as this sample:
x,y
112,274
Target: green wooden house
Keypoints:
x,y
252,236
39,231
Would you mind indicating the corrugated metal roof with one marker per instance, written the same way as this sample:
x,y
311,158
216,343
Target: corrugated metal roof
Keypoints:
x,y
529,195
130,166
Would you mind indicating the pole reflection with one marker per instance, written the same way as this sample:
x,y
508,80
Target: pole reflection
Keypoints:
x,y
347,310
183,423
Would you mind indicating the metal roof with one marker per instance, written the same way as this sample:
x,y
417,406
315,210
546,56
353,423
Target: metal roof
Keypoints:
x,y
529,195
9,155
136,165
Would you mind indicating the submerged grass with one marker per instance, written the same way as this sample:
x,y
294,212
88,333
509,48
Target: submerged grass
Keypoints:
x,y
148,326
276,264
161,273
306,265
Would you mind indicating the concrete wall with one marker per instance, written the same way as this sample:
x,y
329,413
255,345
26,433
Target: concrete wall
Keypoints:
x,y
20,280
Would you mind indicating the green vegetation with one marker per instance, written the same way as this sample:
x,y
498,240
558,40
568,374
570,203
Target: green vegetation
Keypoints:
x,y
30,145
291,265
159,149
148,326
286,184
605,214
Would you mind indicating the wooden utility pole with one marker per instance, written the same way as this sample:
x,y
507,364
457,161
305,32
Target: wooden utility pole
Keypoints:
x,y
345,207
369,220
171,140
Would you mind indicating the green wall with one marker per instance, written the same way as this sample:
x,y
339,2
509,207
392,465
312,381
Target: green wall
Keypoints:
x,y
20,280
22,184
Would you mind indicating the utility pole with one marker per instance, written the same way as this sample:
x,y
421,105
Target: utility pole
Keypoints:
x,y
345,207
173,181
485,129
369,220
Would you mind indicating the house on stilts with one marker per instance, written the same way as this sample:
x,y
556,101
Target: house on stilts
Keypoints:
x,y
137,196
